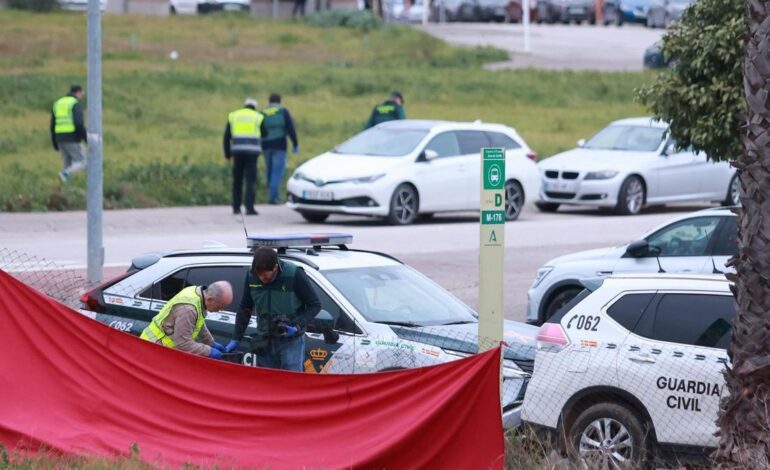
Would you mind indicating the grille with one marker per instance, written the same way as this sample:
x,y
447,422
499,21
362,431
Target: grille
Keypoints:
x,y
559,195
569,175
551,174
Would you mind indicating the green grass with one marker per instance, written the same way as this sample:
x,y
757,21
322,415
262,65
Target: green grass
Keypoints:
x,y
163,119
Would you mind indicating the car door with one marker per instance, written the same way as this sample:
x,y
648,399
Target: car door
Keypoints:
x,y
685,246
471,143
440,179
673,364
678,174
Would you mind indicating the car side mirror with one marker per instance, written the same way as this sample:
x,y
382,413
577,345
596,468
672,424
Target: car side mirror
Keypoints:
x,y
430,154
638,248
581,143
324,321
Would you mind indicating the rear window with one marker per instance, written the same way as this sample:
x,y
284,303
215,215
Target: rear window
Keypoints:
x,y
629,309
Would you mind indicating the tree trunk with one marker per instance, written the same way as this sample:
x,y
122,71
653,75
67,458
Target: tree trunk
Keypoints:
x,y
744,419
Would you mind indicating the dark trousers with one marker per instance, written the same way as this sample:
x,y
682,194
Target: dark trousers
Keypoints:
x,y
299,8
244,165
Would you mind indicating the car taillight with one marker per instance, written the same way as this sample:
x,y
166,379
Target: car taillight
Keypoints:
x,y
532,156
92,298
551,337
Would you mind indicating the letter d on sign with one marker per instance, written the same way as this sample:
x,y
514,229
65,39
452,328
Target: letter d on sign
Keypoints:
x,y
498,200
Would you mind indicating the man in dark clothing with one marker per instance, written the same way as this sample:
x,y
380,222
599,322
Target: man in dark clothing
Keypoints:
x,y
242,143
299,8
278,125
68,132
282,297
390,110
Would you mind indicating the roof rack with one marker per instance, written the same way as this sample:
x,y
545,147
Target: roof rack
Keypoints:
x,y
316,241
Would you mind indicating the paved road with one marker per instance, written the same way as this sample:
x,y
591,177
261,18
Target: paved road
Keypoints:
x,y
557,47
445,248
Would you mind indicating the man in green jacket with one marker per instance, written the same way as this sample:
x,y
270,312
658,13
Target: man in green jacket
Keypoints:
x,y
282,297
68,132
390,110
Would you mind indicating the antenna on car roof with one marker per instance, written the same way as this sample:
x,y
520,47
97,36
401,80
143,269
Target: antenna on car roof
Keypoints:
x,y
243,222
715,270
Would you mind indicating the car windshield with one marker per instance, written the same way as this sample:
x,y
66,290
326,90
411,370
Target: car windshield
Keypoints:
x,y
399,295
624,137
382,142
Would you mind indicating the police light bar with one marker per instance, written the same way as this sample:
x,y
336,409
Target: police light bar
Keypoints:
x,y
299,239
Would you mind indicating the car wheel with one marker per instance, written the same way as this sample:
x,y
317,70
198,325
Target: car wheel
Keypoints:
x,y
630,196
547,206
733,197
403,205
558,301
314,217
609,435
514,200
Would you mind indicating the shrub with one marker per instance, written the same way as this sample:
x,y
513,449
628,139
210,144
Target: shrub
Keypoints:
x,y
34,5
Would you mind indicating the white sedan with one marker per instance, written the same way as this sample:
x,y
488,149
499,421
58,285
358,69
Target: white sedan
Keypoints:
x,y
403,169
630,164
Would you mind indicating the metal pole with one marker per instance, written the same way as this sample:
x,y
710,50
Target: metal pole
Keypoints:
x,y
94,195
525,20
275,9
425,11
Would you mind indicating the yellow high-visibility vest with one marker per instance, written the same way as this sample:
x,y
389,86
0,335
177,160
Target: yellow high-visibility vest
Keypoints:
x,y
154,331
64,121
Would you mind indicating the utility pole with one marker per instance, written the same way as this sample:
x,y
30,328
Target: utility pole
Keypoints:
x,y
525,21
95,189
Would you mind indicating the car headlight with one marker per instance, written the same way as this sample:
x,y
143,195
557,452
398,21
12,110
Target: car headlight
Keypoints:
x,y
367,179
540,275
601,175
297,175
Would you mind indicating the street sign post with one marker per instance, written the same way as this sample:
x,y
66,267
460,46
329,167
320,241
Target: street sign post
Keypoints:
x,y
491,247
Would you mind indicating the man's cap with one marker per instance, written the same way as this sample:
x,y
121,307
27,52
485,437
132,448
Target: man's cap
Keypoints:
x,y
397,94
250,102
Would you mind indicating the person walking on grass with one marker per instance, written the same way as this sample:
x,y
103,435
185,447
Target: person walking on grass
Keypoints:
x,y
68,133
390,110
278,125
242,144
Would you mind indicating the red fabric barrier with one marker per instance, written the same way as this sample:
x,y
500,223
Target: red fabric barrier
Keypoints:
x,y
78,387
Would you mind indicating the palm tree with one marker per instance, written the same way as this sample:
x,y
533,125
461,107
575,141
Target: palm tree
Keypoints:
x,y
744,421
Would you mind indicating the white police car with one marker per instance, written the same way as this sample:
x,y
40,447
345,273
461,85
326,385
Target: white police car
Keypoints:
x,y
699,242
634,367
388,316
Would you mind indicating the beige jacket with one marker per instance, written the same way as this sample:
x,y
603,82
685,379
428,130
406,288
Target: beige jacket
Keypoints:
x,y
179,325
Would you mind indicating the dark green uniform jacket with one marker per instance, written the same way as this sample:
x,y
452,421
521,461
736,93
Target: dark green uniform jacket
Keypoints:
x,y
387,111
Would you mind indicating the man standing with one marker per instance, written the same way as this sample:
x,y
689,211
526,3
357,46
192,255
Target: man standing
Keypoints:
x,y
68,132
181,323
390,110
242,143
278,125
284,301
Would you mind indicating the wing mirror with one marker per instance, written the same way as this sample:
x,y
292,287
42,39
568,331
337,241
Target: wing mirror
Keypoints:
x,y
638,248
581,143
325,323
430,154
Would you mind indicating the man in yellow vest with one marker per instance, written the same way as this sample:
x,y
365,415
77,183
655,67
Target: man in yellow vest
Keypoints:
x,y
68,132
242,144
181,323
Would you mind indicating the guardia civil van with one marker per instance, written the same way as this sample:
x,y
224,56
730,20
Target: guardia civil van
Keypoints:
x,y
386,315
633,369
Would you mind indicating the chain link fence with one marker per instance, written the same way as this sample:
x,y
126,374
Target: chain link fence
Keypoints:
x,y
624,404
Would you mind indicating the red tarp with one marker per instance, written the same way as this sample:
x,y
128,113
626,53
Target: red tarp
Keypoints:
x,y
78,387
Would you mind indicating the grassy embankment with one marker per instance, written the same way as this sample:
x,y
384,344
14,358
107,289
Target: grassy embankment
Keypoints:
x,y
163,119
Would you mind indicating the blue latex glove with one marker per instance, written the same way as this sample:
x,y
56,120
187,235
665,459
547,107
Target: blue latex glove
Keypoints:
x,y
290,331
232,346
219,347
296,149
215,353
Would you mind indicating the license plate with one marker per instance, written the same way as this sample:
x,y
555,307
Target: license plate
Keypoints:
x,y
318,195
558,186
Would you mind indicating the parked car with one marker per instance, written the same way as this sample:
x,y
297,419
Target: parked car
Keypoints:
x,y
80,5
630,164
456,10
565,11
515,13
654,58
549,11
404,11
664,12
494,10
405,169
633,368
387,315
625,11
700,242
191,7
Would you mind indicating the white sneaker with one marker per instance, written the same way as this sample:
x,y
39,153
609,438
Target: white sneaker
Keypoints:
x,y
64,176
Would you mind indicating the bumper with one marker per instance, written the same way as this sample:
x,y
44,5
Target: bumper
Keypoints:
x,y
341,198
596,193
534,298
